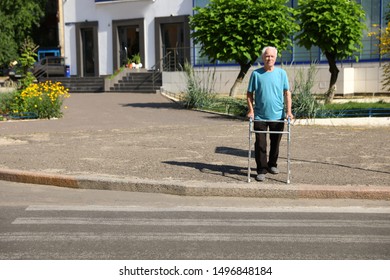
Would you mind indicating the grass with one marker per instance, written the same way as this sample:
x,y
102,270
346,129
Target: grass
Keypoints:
x,y
238,107
229,105
357,105
356,109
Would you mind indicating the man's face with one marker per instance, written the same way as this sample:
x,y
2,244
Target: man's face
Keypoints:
x,y
269,58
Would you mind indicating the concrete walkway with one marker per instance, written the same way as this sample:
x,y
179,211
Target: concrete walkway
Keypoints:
x,y
147,143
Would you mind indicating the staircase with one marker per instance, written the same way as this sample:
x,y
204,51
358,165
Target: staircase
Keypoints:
x,y
79,84
138,82
132,81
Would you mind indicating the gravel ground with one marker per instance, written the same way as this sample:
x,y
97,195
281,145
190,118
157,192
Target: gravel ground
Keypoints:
x,y
148,136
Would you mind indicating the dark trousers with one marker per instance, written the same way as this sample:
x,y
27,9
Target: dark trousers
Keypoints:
x,y
261,145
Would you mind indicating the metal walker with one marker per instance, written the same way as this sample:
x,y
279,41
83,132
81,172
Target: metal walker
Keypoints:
x,y
288,132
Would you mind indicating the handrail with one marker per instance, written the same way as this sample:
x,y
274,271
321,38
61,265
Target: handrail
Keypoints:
x,y
155,70
174,61
43,68
41,72
161,59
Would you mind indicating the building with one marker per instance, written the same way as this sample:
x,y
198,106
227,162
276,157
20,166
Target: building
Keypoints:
x,y
98,36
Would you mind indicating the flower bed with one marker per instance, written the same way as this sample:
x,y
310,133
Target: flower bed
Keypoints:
x,y
39,100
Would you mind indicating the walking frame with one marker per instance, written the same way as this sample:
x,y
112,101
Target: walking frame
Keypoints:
x,y
288,132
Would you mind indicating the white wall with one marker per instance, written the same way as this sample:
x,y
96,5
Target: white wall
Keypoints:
x,y
357,78
361,78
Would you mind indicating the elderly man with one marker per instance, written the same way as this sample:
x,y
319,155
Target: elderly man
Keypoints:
x,y
269,89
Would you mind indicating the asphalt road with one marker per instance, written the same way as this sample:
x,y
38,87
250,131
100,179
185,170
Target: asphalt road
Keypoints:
x,y
43,222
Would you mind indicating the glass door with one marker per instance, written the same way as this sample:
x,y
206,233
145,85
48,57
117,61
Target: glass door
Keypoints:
x,y
128,42
88,61
172,37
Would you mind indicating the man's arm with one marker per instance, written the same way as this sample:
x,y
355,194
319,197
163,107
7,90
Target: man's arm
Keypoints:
x,y
288,101
249,99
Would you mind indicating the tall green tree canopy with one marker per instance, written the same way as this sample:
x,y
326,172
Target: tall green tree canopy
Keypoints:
x,y
336,27
17,17
237,30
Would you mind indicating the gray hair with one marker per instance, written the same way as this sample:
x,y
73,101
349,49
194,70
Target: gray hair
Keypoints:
x,y
269,47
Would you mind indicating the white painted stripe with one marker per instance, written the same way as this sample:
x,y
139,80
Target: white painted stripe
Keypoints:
x,y
180,237
290,209
202,222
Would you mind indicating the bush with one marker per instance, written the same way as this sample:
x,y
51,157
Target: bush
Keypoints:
x,y
45,99
304,103
230,105
42,100
199,89
6,101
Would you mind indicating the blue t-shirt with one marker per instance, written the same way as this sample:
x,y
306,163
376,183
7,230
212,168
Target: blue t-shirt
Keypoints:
x,y
269,90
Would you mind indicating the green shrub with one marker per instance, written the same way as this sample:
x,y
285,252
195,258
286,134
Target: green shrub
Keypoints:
x,y
199,88
304,103
42,100
230,105
6,101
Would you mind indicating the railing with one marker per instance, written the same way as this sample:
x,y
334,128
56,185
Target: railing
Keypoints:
x,y
175,60
295,56
41,72
53,66
156,70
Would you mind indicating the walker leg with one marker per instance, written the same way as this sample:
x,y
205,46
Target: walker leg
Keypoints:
x,y
249,150
288,150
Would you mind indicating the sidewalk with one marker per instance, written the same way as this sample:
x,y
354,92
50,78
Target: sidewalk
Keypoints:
x,y
144,142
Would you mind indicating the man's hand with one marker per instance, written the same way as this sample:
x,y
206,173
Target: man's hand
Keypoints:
x,y
250,115
289,116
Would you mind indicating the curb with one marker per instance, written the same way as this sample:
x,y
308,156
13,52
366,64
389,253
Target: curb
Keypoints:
x,y
198,188
29,177
356,122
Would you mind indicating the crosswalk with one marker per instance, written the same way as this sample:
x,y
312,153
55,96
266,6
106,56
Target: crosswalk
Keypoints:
x,y
162,236
201,222
40,231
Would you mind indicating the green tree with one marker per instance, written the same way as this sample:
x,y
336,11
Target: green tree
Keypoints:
x,y
237,30
336,27
17,17
27,59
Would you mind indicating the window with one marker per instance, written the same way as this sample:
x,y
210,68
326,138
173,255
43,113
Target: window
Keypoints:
x,y
375,18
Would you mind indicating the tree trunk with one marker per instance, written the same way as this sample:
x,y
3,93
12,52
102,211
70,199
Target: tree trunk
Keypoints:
x,y
334,73
238,82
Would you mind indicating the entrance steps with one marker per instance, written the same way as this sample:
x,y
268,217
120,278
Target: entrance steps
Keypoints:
x,y
138,82
131,81
79,84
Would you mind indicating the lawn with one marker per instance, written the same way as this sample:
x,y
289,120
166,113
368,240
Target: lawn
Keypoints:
x,y
238,107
